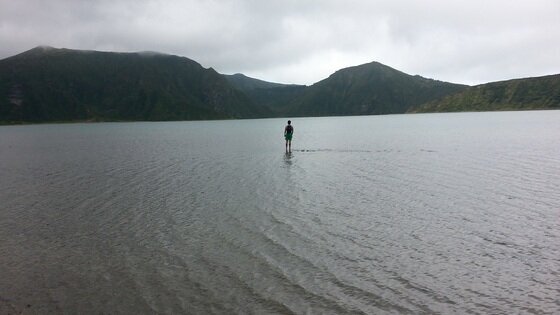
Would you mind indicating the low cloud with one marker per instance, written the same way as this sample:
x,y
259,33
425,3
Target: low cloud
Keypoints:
x,y
305,41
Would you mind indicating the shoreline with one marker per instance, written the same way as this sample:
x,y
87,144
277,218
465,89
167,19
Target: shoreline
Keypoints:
x,y
88,121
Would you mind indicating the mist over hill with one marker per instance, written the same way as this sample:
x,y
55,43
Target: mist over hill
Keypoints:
x,y
49,84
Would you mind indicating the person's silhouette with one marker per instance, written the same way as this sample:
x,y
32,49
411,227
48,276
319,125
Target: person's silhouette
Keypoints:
x,y
288,133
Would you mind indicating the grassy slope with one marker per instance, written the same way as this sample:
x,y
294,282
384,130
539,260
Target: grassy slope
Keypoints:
x,y
519,94
62,85
368,89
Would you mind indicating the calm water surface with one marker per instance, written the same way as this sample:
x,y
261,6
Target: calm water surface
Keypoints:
x,y
440,213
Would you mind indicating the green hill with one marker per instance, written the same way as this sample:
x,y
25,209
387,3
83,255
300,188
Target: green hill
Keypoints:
x,y
48,84
274,96
368,89
519,94
245,83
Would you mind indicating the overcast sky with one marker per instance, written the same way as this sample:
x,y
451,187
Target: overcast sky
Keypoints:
x,y
289,41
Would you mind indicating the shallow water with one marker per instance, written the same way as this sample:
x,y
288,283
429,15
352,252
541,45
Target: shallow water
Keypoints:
x,y
439,213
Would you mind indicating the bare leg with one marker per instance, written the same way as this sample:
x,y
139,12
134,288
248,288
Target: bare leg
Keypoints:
x,y
290,145
286,145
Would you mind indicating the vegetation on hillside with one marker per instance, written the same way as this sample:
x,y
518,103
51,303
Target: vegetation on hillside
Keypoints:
x,y
519,94
274,96
369,89
47,84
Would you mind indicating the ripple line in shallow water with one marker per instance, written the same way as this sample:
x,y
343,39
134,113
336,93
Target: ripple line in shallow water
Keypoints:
x,y
332,150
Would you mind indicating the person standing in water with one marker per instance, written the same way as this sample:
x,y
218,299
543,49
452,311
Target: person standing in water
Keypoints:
x,y
288,132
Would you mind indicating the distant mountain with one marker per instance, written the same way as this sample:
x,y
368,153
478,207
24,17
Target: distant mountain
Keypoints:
x,y
518,94
274,96
368,89
48,84
245,83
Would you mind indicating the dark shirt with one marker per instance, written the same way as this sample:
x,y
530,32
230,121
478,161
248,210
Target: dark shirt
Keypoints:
x,y
289,130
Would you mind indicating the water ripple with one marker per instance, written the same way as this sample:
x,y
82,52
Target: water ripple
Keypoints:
x,y
398,214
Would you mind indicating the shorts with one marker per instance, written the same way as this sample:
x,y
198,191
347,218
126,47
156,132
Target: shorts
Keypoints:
x,y
288,137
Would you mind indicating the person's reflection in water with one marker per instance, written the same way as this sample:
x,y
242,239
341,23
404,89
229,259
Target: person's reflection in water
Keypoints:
x,y
288,158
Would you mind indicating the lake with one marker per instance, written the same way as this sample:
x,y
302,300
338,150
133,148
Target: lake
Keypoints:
x,y
426,213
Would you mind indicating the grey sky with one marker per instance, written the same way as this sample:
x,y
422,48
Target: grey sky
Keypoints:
x,y
289,41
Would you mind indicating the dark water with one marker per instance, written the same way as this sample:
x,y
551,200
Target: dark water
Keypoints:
x,y
440,213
